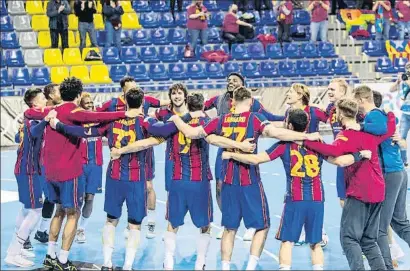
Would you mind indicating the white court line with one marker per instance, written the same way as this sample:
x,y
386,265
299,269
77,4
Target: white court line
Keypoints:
x,y
9,196
270,254
9,180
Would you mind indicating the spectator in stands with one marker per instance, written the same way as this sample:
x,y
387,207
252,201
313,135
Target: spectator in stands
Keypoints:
x,y
172,4
242,4
319,16
337,4
403,11
84,10
112,11
230,27
258,5
383,15
285,20
197,23
57,11
364,4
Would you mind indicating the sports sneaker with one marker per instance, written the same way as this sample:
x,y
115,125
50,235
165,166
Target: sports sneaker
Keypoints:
x,y
68,266
220,234
200,267
80,237
49,263
126,232
249,233
151,231
302,239
27,254
18,260
27,245
396,251
41,236
104,268
325,240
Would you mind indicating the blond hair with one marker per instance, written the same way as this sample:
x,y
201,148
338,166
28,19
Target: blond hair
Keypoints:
x,y
363,92
342,84
302,90
347,107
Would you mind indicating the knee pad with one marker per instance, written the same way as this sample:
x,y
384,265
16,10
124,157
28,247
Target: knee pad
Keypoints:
x,y
48,209
134,222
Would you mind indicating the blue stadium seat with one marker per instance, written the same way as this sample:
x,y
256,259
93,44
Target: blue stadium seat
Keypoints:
x,y
291,50
399,64
268,17
5,24
149,54
322,67
181,19
111,56
300,32
326,49
217,19
20,77
149,20
166,20
374,48
269,69
257,18
127,38
4,78
211,5
181,50
274,51
240,52
117,72
301,16
101,38
251,70
139,72
40,76
223,5
159,6
177,71
3,8
177,36
256,51
9,40
286,68
223,47
384,65
141,6
2,59
159,36
264,30
339,67
214,36
14,58
168,54
309,50
158,72
141,37
195,71
393,33
202,49
304,67
231,67
130,55
214,70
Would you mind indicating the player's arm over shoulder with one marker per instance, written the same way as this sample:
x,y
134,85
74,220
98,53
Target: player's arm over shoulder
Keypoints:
x,y
188,130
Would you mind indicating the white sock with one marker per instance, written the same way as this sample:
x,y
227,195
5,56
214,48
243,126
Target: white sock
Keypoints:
x,y
83,223
252,262
226,265
45,224
133,242
317,267
31,217
202,249
151,217
323,231
52,249
20,218
63,256
284,267
16,245
170,245
108,244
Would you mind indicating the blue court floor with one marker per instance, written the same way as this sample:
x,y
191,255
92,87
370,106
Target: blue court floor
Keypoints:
x,y
151,252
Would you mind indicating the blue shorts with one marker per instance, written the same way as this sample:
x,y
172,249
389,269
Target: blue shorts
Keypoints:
x,y
195,197
297,214
70,194
340,183
218,164
247,202
30,189
169,171
92,178
133,193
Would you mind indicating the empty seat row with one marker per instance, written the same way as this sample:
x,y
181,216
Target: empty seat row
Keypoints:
x,y
97,74
44,39
23,77
12,58
374,48
71,56
386,65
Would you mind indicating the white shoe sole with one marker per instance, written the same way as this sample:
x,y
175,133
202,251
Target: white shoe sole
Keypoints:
x,y
27,254
11,261
151,235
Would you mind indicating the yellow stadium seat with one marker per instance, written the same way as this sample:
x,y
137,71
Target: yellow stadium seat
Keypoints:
x,y
44,39
99,7
99,75
87,39
130,21
45,4
73,41
72,22
39,22
58,74
126,6
85,52
35,7
72,56
81,72
53,57
98,22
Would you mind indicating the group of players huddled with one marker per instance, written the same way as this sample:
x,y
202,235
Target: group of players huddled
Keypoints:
x,y
60,157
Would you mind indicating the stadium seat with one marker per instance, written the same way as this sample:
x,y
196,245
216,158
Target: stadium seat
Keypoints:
x,y
159,36
117,72
141,6
177,36
93,62
53,57
268,17
239,52
339,67
384,65
149,54
34,58
4,78
20,77
181,50
181,19
214,70
35,7
126,6
72,57
256,51
72,22
268,69
301,16
211,5
22,23
251,70
130,55
308,50
304,67
166,20
6,24
399,64
257,18
111,56
196,71
44,39
14,58
217,19
2,59
158,72
98,22
322,67
223,47
214,36
168,54
99,7
286,68
300,32
101,35
130,21
326,49
40,76
274,51
58,74
291,50
9,40
141,37
99,74
82,73
16,7
374,48
231,67
3,8
39,23
139,72
149,20
159,5
177,72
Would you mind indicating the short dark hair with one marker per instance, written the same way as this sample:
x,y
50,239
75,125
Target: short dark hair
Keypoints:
x,y
241,94
195,102
49,89
347,107
134,97
70,89
238,75
30,94
126,79
299,119
378,98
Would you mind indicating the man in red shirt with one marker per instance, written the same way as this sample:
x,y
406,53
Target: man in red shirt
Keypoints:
x,y
285,20
230,27
383,10
403,11
318,23
197,23
365,187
